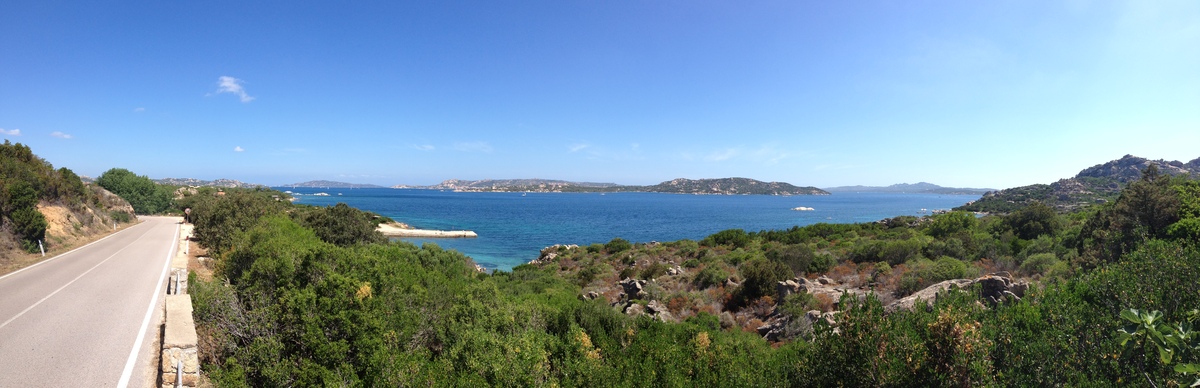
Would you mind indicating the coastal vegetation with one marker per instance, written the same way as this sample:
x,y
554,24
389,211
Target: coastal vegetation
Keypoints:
x,y
295,302
41,204
146,196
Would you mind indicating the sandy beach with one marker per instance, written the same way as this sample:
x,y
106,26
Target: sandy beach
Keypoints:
x,y
397,229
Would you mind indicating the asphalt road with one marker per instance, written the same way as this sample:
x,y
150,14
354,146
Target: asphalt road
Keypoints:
x,y
74,320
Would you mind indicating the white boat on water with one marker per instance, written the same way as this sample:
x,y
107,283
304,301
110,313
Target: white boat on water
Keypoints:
x,y
322,194
803,209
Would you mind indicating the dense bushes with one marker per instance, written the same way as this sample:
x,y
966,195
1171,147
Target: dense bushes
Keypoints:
x,y
146,196
25,181
341,225
218,218
28,223
302,307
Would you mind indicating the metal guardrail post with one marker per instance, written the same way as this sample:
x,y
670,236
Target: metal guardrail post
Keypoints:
x,y
178,373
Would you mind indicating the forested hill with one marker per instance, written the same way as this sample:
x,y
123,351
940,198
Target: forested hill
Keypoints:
x,y
1097,184
730,186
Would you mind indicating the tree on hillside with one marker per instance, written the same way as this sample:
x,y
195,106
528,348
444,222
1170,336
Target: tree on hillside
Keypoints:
x,y
146,196
342,225
1034,220
1145,211
28,222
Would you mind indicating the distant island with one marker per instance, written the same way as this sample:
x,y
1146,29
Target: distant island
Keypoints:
x,y
918,188
722,186
192,182
508,185
332,185
1094,185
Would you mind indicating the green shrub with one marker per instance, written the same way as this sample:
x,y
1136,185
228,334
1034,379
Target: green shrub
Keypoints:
x,y
759,276
120,216
653,271
595,248
617,245
945,225
628,273
710,276
30,225
1039,263
923,273
797,257
146,196
735,238
341,225
821,263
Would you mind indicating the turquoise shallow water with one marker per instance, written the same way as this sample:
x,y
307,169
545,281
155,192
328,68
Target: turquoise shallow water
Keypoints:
x,y
514,227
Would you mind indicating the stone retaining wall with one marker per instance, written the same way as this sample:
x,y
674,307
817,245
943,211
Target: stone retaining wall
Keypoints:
x,y
180,354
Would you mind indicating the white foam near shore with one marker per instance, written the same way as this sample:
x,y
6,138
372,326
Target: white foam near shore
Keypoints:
x,y
401,230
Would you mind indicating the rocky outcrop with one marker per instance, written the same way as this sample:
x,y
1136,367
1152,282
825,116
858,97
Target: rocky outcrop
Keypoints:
x,y
997,288
550,253
787,287
673,271
823,286
993,288
632,288
1129,168
1096,184
654,309
659,311
928,295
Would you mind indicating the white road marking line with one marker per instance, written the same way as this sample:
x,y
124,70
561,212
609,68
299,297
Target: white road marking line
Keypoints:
x,y
66,253
2,325
158,289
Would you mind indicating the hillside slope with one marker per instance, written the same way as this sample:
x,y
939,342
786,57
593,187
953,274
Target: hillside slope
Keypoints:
x,y
41,203
1097,184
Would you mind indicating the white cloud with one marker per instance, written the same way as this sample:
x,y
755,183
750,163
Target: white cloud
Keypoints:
x,y
227,84
476,146
238,149
139,110
10,132
423,147
61,135
578,147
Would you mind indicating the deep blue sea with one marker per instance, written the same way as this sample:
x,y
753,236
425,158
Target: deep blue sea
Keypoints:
x,y
514,227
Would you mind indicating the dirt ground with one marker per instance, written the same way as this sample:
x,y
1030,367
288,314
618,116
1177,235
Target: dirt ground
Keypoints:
x,y
64,232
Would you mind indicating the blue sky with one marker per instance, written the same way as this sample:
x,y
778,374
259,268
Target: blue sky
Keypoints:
x,y
968,94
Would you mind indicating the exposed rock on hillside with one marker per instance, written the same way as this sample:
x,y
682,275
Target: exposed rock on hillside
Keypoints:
x,y
994,288
1096,184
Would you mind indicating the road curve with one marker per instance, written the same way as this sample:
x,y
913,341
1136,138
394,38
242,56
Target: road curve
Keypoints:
x,y
73,320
